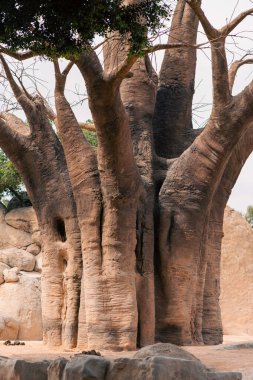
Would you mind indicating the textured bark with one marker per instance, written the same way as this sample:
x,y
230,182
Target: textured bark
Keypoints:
x,y
39,158
173,110
211,319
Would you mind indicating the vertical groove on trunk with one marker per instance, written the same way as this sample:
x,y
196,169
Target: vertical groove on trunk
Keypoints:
x,y
173,110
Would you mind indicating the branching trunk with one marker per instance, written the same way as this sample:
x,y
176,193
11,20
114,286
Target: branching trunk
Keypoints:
x,y
39,158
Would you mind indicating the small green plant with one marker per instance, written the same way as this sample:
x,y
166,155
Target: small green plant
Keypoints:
x,y
249,215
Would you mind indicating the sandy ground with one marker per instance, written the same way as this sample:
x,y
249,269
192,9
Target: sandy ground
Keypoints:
x,y
235,354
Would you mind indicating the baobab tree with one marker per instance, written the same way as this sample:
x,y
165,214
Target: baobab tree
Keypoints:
x,y
150,199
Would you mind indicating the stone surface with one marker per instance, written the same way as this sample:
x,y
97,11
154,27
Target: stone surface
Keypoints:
x,y
10,236
11,275
164,349
86,367
56,368
236,275
22,219
20,306
151,363
17,369
2,268
15,257
34,249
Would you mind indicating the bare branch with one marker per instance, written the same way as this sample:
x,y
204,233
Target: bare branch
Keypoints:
x,y
210,31
236,21
20,95
88,127
17,55
234,69
158,47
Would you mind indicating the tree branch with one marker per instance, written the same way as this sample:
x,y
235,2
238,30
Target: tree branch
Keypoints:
x,y
234,69
225,30
210,31
19,56
13,133
20,95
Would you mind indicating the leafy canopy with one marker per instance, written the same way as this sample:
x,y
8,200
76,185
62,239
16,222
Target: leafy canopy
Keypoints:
x,y
64,28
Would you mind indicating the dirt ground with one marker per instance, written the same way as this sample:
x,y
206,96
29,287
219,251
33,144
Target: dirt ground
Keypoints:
x,y
235,354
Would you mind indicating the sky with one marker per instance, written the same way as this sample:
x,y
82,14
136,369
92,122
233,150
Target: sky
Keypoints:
x,y
219,13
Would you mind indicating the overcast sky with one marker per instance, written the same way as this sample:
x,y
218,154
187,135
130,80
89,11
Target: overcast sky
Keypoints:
x,y
219,12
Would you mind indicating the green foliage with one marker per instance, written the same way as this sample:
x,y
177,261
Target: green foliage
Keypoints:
x,y
91,137
249,215
9,177
63,28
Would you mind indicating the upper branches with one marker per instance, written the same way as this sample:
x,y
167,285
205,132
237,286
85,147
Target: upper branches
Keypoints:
x,y
217,38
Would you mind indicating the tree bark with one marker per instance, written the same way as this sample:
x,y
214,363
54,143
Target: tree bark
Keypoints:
x,y
38,156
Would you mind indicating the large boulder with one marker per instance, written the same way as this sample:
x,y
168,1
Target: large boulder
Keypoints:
x,y
236,275
17,369
20,308
15,257
22,219
10,236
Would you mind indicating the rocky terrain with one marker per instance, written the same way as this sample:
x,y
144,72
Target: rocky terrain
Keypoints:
x,y
20,267
237,275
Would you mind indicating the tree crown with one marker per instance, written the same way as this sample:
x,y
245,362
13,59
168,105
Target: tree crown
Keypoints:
x,y
37,25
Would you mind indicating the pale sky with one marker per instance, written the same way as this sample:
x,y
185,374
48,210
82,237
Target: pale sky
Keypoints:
x,y
218,12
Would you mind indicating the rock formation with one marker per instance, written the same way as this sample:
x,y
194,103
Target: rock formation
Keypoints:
x,y
20,264
157,362
237,275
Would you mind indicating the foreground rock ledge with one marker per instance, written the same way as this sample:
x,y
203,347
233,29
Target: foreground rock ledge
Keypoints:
x,y
157,362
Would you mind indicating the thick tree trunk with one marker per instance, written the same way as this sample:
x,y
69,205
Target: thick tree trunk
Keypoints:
x,y
38,156
138,96
211,317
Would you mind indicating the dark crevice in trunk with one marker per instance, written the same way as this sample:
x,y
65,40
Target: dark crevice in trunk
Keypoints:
x,y
170,231
59,226
101,222
139,243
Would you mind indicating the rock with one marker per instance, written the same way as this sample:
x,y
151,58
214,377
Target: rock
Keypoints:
x,y
2,268
56,368
24,317
11,275
224,376
151,363
236,298
9,328
15,257
164,349
10,236
17,369
85,367
34,249
156,368
22,219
